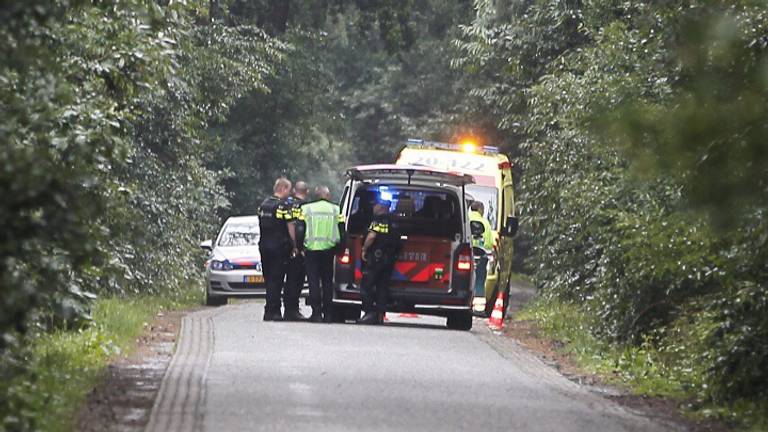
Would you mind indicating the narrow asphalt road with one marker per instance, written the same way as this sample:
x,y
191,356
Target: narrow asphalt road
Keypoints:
x,y
234,372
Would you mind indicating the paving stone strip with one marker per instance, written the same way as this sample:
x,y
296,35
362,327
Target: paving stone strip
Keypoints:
x,y
179,404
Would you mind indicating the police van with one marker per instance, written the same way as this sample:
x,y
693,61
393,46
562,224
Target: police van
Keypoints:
x,y
493,186
434,271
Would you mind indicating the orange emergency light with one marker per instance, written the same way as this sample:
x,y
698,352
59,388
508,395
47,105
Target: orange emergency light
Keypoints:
x,y
468,147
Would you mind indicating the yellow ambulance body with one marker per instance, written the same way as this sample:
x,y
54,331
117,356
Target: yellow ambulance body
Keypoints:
x,y
493,186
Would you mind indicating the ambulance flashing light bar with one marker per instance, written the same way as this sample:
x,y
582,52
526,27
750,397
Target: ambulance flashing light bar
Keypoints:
x,y
466,146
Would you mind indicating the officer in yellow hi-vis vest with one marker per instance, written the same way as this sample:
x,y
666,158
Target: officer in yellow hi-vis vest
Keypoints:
x,y
323,228
379,253
275,245
294,278
483,241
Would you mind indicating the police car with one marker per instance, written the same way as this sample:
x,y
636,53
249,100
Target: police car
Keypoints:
x,y
434,272
233,267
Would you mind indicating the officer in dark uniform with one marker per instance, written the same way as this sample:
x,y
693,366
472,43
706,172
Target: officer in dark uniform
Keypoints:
x,y
275,245
380,249
294,280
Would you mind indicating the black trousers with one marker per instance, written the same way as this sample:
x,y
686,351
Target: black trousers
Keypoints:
x,y
374,288
320,280
274,263
294,282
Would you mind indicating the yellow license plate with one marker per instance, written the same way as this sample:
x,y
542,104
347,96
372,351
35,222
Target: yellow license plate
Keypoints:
x,y
253,279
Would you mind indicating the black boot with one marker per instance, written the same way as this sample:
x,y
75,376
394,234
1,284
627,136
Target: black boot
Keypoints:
x,y
294,315
316,316
370,318
273,316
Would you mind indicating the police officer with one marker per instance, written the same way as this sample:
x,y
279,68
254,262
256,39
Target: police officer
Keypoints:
x,y
294,279
379,254
323,228
485,242
275,245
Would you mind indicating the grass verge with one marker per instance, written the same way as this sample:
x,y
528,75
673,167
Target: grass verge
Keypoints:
x,y
520,278
64,366
667,365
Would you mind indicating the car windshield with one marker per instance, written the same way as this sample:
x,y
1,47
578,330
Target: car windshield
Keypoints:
x,y
417,211
489,196
238,234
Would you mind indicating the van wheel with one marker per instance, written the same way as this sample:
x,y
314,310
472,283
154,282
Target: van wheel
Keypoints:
x,y
460,321
214,300
341,314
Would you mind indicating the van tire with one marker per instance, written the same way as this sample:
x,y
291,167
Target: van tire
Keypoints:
x,y
460,321
214,300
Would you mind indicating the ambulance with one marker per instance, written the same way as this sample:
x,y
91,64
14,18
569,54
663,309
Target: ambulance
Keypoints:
x,y
493,186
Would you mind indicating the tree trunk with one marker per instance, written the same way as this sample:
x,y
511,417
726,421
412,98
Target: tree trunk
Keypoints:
x,y
279,14
214,10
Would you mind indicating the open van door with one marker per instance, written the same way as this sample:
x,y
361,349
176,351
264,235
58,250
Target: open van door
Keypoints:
x,y
433,272
384,173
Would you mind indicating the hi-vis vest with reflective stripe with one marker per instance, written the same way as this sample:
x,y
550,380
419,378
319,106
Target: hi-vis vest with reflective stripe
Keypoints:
x,y
322,221
486,240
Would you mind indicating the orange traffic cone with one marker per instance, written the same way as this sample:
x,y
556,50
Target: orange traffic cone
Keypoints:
x,y
496,321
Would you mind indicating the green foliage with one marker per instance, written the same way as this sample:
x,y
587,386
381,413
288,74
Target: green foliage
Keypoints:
x,y
667,363
105,146
62,367
641,366
387,98
105,154
642,129
289,131
344,94
62,131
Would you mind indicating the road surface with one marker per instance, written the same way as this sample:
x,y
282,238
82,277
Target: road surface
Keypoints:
x,y
234,372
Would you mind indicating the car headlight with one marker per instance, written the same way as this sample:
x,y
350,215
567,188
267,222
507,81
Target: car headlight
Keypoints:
x,y
221,265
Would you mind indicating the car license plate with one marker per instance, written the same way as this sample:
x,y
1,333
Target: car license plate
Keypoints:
x,y
253,279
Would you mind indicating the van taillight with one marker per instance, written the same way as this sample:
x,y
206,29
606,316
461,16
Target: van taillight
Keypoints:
x,y
464,261
345,258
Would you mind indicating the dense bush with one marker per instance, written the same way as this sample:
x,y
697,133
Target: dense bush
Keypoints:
x,y
643,131
105,155
106,182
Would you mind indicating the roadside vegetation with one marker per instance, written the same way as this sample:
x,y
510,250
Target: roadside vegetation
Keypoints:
x,y
131,128
63,366
666,364
645,182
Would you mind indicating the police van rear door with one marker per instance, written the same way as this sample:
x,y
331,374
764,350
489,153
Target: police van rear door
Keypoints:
x,y
428,220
